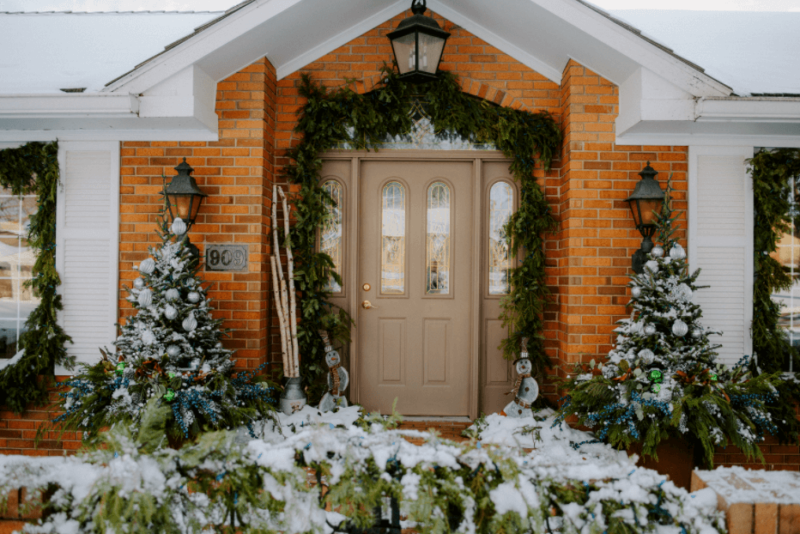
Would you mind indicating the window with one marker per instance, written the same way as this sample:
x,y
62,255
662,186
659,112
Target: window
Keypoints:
x,y
393,239
331,241
501,206
788,254
16,265
437,254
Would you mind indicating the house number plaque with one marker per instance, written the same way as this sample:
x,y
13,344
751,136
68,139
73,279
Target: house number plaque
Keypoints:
x,y
226,257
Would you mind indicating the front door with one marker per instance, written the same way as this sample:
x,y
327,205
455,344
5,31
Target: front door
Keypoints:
x,y
415,291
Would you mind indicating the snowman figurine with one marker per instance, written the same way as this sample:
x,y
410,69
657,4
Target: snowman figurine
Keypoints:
x,y
526,390
338,379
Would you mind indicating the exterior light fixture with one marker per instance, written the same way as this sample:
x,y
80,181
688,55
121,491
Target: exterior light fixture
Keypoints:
x,y
418,43
184,199
645,203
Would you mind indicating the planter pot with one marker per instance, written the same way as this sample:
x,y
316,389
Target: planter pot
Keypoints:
x,y
293,398
676,460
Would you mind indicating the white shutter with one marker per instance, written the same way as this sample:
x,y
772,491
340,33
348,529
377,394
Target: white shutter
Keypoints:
x,y
721,244
87,237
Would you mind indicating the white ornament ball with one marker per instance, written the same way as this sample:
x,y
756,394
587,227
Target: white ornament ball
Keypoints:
x,y
194,296
148,338
647,356
657,252
173,294
679,328
170,312
178,227
651,266
173,350
649,330
190,323
696,333
677,252
147,266
682,292
636,292
145,298
138,283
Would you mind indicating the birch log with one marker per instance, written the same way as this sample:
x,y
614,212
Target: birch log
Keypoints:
x,y
281,321
292,292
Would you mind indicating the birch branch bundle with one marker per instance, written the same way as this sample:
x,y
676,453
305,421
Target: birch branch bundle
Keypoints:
x,y
285,297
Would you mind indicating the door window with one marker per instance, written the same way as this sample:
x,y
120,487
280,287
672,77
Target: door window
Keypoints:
x,y
393,239
501,205
437,261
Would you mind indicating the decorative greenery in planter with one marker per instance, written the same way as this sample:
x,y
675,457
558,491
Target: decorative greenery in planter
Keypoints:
x,y
773,172
662,379
33,169
330,118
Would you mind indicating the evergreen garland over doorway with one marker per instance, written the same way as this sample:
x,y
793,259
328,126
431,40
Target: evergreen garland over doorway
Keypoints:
x,y
332,117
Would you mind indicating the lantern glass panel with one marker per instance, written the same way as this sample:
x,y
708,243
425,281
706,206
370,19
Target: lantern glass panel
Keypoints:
x,y
405,52
649,208
430,51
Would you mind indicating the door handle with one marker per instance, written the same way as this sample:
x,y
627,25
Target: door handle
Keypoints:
x,y
367,305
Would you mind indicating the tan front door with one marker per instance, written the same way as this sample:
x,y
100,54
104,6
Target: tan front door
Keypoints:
x,y
414,254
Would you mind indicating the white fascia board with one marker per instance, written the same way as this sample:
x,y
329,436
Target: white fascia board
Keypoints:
x,y
189,93
199,46
634,47
45,106
689,139
18,137
762,110
341,39
526,58
646,96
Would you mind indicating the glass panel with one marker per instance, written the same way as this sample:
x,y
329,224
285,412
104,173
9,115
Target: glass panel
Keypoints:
x,y
331,237
501,205
393,239
431,50
788,254
9,336
437,265
404,52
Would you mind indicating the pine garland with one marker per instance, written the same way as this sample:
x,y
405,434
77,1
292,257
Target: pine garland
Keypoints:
x,y
33,169
363,121
773,171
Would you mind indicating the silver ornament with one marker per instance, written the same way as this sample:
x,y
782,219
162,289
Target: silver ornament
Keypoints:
x,y
649,330
173,294
636,292
657,252
190,323
138,283
651,266
679,328
647,356
147,266
145,298
696,333
677,252
178,227
681,292
170,312
148,338
173,350
194,296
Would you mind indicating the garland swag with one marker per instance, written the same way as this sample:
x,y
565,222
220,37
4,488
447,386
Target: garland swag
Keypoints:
x,y
33,168
773,172
363,121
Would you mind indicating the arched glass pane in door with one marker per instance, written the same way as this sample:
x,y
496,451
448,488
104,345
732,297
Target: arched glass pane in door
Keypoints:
x,y
331,237
393,239
437,263
501,205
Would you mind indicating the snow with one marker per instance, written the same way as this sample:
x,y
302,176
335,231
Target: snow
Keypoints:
x,y
739,485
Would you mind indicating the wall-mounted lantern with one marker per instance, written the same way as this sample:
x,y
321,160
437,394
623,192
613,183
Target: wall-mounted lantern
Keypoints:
x,y
418,44
184,199
645,203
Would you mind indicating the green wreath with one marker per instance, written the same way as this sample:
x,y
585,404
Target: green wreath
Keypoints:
x,y
33,169
332,117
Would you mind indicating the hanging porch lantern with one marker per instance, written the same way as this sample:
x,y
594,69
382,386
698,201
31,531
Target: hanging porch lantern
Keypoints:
x,y
183,195
418,44
645,203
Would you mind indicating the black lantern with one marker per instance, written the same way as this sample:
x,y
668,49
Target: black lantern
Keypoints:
x,y
645,203
418,43
183,195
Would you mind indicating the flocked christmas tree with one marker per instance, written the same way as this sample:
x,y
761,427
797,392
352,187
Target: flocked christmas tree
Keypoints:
x,y
662,378
170,352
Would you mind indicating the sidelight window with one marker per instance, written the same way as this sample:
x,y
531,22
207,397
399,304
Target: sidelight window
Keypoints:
x,y
331,240
501,206
437,262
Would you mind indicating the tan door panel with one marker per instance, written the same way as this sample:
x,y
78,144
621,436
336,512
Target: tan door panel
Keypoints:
x,y
415,286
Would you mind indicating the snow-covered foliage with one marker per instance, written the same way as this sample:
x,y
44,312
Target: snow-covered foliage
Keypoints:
x,y
275,486
170,350
662,377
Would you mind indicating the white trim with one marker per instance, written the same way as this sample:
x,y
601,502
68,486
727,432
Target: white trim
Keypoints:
x,y
46,106
495,40
748,109
142,134
306,58
721,140
13,144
